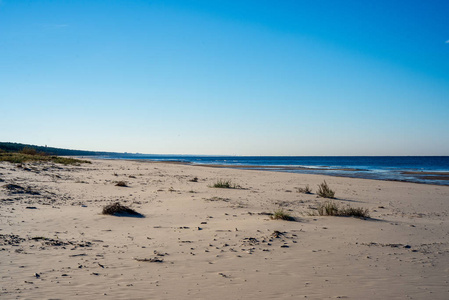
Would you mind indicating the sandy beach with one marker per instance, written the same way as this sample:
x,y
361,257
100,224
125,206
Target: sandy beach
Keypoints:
x,y
200,242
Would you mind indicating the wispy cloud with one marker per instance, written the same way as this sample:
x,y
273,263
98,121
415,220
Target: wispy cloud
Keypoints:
x,y
447,42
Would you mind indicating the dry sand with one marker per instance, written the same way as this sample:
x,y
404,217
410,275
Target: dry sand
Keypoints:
x,y
198,242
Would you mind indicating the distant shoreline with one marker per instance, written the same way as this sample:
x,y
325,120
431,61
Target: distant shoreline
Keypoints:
x,y
399,175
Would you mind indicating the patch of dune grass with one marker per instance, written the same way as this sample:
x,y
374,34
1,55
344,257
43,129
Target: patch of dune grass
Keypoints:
x,y
20,157
330,208
225,184
357,212
325,191
68,160
304,190
280,214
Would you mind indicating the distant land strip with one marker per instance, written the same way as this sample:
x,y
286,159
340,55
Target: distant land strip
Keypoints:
x,y
16,147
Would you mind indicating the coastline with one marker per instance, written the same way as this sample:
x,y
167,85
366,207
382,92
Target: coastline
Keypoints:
x,y
399,175
212,241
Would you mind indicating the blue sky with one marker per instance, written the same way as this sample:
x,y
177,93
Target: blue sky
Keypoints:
x,y
227,77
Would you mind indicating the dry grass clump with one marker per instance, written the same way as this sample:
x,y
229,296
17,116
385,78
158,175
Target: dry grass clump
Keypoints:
x,y
225,184
121,183
304,190
330,208
358,212
280,214
119,210
325,191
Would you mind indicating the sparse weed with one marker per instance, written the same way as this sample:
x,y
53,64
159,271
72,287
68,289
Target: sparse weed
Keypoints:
x,y
325,191
330,208
358,212
225,184
304,190
280,214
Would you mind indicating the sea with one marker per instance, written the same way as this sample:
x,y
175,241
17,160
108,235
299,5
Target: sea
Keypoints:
x,y
418,169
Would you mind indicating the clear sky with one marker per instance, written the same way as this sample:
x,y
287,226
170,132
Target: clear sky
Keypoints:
x,y
227,77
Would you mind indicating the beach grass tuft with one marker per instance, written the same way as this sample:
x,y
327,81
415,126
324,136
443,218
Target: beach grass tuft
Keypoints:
x,y
116,209
305,190
357,212
280,214
225,184
330,208
325,191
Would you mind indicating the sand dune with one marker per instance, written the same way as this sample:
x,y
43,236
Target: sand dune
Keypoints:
x,y
199,242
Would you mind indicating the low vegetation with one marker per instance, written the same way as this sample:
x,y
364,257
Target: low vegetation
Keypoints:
x,y
68,160
325,191
304,190
225,184
27,156
280,214
119,210
358,212
17,147
330,208
32,151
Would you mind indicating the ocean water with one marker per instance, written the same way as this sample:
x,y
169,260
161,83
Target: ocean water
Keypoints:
x,y
400,168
